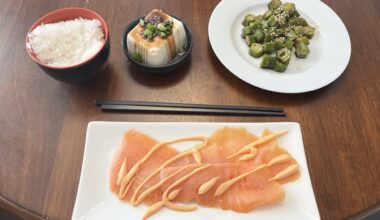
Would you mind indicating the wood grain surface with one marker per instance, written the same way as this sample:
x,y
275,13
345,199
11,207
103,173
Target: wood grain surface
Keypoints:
x,y
43,122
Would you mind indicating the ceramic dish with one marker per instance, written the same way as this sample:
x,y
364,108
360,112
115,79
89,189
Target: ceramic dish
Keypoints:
x,y
85,70
330,47
175,63
95,201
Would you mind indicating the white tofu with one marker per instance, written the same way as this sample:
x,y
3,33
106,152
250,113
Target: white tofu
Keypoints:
x,y
159,51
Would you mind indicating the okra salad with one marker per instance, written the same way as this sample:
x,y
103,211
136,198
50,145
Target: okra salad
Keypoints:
x,y
274,34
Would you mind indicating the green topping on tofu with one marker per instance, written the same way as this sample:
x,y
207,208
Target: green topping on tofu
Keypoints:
x,y
156,27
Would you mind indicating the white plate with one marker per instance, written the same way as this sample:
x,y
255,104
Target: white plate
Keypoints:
x,y
95,201
330,47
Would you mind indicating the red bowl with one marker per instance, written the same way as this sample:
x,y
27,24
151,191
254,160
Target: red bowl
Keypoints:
x,y
85,70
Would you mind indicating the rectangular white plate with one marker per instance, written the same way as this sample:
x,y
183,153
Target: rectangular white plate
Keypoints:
x,y
95,201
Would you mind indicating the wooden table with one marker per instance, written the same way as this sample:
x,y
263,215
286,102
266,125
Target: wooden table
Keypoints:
x,y
43,122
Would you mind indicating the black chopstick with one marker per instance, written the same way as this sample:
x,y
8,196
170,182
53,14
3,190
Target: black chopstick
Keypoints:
x,y
182,105
137,108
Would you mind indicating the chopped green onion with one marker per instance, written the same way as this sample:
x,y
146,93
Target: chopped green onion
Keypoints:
x,y
182,51
163,35
161,27
147,32
151,27
137,57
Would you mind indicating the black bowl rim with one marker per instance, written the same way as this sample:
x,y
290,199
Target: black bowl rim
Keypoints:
x,y
157,69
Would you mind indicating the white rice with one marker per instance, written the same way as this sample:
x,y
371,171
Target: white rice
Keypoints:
x,y
66,43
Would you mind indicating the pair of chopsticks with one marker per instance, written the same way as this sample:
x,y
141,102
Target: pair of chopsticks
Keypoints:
x,y
138,106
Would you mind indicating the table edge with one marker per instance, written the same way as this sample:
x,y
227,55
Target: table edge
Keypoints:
x,y
19,210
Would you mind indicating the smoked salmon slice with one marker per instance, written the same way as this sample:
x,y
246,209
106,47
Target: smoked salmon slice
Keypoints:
x,y
224,142
135,146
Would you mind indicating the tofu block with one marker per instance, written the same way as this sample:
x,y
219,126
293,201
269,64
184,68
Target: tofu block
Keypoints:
x,y
159,51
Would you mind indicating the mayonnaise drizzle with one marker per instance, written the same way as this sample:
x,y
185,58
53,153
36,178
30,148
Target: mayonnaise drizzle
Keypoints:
x,y
126,181
153,209
197,156
124,193
279,159
177,207
158,185
251,155
260,141
174,194
222,188
122,172
205,187
289,170
171,160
